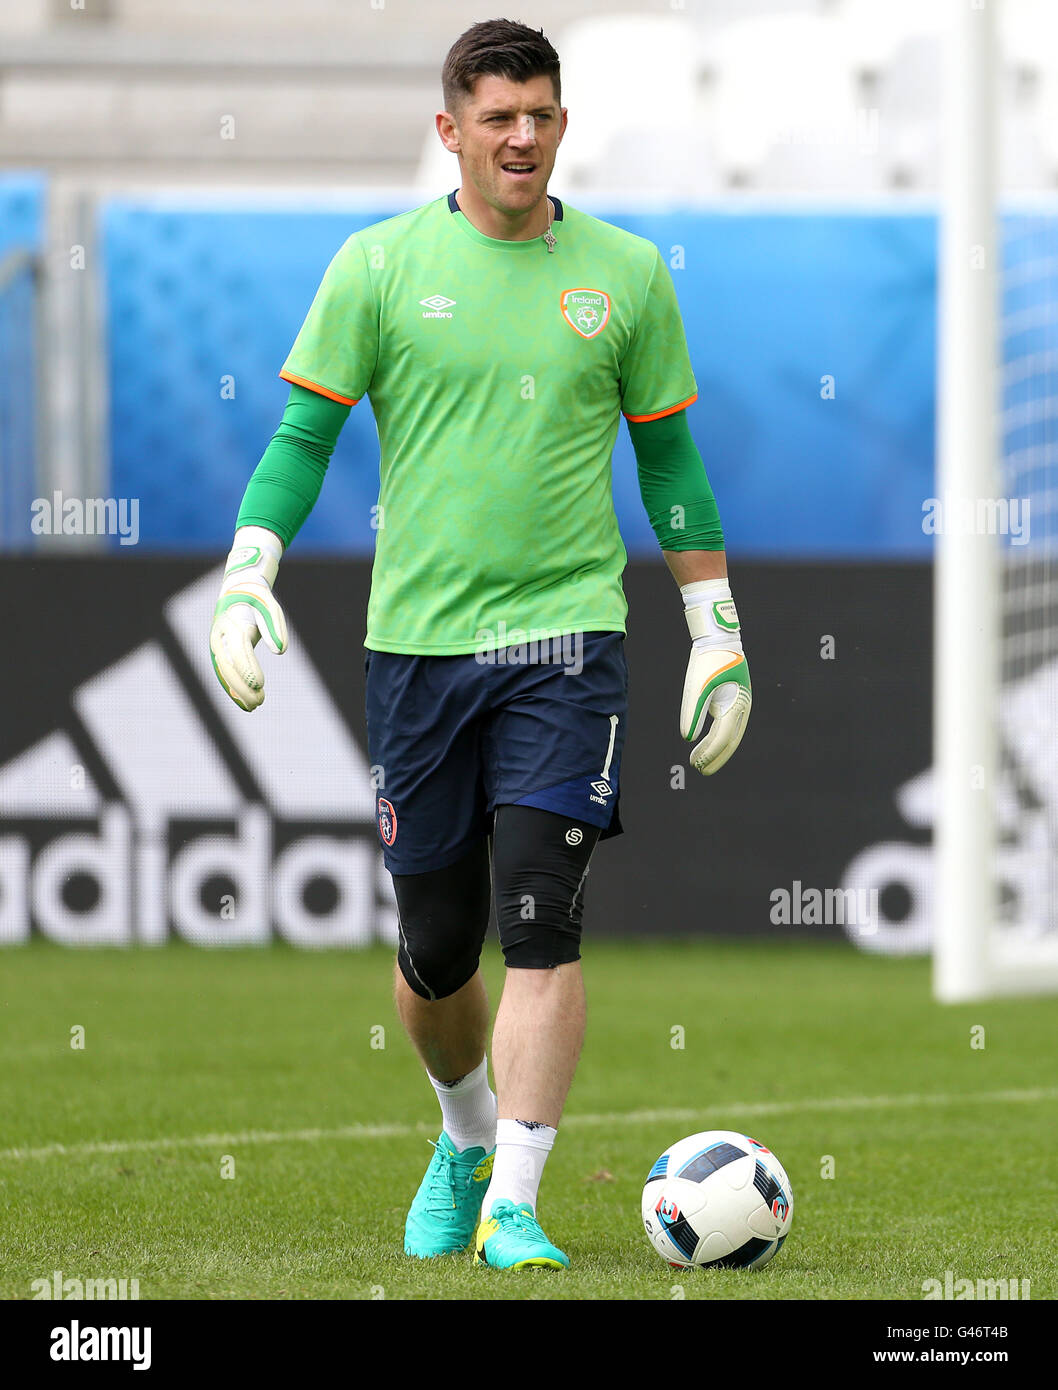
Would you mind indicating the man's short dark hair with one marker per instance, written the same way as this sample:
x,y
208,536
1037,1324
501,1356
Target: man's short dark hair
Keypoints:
x,y
496,48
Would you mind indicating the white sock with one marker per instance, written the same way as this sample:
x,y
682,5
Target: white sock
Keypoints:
x,y
521,1152
468,1108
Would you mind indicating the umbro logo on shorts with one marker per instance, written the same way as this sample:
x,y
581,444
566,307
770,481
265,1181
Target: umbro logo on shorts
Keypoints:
x,y
602,790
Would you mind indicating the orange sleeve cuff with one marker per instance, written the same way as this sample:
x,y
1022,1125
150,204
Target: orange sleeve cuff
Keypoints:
x,y
640,419
314,386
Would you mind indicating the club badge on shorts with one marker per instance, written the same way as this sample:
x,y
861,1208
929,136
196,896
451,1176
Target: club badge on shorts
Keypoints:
x,y
588,311
387,821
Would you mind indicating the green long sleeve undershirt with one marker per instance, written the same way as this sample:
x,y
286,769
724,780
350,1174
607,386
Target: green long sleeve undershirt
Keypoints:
x,y
674,486
286,483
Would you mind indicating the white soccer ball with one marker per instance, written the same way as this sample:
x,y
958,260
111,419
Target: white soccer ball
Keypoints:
x,y
717,1200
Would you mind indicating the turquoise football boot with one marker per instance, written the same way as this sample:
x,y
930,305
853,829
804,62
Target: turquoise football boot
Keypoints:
x,y
448,1203
512,1239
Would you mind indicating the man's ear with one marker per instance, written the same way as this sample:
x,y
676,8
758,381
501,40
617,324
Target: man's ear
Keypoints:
x,y
447,131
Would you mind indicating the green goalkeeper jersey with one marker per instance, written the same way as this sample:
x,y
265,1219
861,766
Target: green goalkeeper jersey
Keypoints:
x,y
497,373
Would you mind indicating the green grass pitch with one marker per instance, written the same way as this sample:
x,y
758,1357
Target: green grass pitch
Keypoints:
x,y
269,1065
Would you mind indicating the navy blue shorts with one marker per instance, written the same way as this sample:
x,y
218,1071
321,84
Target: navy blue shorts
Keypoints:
x,y
450,738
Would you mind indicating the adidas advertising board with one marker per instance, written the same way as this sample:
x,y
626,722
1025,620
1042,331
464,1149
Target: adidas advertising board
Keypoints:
x,y
138,803
157,807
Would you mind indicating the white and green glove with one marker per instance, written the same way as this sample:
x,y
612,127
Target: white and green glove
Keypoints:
x,y
246,612
717,681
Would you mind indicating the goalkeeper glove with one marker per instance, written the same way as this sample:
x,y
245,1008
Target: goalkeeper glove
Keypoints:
x,y
246,611
717,680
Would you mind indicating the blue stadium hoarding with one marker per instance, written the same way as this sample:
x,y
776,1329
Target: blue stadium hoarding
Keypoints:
x,y
812,337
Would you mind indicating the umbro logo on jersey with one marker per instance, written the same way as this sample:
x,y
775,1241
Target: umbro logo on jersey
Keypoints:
x,y
164,809
436,307
586,311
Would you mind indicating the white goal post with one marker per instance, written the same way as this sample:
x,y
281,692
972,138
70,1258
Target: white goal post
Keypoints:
x,y
995,905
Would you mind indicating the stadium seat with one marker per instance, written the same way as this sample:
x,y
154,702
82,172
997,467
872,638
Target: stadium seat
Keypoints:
x,y
1029,30
871,32
780,81
909,110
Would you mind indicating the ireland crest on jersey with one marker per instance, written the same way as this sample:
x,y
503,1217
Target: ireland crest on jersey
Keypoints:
x,y
586,310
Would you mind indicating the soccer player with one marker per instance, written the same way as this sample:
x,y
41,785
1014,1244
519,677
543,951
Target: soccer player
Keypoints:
x,y
499,335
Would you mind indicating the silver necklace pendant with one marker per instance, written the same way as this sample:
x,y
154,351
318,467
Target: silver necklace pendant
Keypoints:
x,y
549,236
